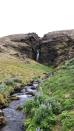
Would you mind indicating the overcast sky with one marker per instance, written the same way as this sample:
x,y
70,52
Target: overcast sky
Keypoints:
x,y
40,16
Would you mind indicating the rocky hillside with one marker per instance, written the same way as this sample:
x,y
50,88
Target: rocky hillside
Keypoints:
x,y
57,47
54,47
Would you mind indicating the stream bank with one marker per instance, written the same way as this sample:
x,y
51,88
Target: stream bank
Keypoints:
x,y
14,117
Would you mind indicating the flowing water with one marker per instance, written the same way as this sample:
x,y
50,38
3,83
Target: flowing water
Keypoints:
x,y
14,117
37,55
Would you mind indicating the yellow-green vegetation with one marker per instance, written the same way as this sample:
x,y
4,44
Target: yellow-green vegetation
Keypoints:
x,y
3,101
54,108
25,70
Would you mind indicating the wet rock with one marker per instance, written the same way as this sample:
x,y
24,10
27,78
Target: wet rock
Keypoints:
x,y
33,87
14,98
2,119
23,90
19,108
30,91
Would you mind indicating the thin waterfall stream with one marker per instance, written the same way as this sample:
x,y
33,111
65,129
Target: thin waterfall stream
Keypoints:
x,y
37,55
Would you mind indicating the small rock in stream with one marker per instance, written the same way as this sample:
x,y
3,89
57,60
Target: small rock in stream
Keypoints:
x,y
14,98
2,119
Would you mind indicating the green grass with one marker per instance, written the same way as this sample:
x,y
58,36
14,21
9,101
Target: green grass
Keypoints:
x,y
61,87
58,94
67,120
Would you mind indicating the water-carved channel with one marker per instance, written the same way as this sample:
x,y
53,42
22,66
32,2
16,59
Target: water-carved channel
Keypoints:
x,y
14,117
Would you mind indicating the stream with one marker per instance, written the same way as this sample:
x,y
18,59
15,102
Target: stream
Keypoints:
x,y
14,117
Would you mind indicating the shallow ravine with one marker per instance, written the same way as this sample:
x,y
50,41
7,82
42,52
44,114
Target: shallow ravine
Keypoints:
x,y
14,117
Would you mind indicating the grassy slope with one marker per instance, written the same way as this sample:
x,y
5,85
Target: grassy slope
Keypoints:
x,y
57,100
26,70
61,87
14,67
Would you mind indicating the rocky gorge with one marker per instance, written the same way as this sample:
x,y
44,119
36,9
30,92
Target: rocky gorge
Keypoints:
x,y
26,60
54,47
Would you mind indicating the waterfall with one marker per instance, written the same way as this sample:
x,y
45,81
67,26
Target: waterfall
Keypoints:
x,y
37,55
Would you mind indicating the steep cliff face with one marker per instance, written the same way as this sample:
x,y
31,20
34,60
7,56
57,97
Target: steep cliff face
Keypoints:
x,y
54,47
27,44
21,45
57,47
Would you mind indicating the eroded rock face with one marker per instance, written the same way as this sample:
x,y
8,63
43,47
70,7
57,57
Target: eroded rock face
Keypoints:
x,y
54,47
28,44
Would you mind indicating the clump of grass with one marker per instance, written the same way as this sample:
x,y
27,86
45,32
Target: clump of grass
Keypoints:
x,y
3,101
7,88
40,112
67,121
